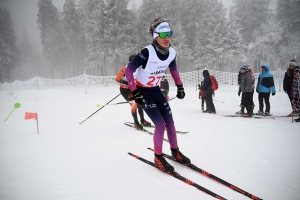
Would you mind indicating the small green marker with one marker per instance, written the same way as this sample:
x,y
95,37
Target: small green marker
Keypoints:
x,y
16,105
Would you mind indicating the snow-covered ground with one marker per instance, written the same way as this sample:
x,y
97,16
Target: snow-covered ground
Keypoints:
x,y
68,161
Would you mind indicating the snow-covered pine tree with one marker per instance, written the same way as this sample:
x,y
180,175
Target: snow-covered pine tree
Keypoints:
x,y
284,13
71,32
210,50
251,15
235,47
8,49
288,16
119,32
173,10
94,33
48,23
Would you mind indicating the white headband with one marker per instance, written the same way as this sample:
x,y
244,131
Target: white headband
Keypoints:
x,y
162,27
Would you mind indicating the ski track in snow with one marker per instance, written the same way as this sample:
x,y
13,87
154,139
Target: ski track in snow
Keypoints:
x,y
68,161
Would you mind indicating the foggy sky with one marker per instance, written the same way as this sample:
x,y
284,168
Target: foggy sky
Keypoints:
x,y
24,14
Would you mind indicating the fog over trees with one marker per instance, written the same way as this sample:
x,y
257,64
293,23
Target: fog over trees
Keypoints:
x,y
97,36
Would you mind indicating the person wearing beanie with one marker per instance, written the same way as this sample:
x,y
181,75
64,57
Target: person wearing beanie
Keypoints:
x,y
128,96
265,86
288,80
252,83
152,63
246,89
206,87
242,111
296,92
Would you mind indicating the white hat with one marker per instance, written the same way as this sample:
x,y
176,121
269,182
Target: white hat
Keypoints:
x,y
162,27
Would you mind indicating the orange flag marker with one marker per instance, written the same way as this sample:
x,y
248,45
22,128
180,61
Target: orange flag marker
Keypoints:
x,y
29,115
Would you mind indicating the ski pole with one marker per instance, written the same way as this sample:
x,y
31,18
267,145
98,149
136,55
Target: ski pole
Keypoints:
x,y
100,108
117,103
172,98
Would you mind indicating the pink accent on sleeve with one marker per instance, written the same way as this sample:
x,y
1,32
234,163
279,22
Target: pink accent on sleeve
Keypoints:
x,y
176,77
253,78
130,78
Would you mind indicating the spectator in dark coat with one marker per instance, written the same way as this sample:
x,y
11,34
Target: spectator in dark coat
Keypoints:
x,y
288,79
202,97
242,111
296,92
208,92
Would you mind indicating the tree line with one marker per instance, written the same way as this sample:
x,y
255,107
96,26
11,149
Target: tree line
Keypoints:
x,y
97,36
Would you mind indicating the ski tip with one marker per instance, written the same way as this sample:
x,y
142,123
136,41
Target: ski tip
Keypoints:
x,y
133,155
182,132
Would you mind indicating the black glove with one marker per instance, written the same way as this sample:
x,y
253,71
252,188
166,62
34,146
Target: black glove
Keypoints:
x,y
138,97
124,82
180,92
130,97
273,94
239,93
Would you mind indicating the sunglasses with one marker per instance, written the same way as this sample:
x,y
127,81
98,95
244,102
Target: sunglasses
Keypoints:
x,y
163,35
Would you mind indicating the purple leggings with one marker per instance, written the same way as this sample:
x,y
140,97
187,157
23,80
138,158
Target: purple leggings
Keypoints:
x,y
159,111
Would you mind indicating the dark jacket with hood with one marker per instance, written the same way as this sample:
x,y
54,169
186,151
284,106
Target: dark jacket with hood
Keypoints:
x,y
206,83
288,80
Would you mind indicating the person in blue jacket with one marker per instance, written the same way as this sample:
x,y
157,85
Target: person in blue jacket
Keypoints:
x,y
265,86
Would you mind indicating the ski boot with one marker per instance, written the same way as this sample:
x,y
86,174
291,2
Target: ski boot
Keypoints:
x,y
162,164
297,120
261,113
138,126
145,123
212,112
240,112
296,111
176,154
267,114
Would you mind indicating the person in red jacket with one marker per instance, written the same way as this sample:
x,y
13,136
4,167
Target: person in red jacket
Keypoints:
x,y
128,96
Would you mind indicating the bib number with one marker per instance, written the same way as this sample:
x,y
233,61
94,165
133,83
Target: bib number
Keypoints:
x,y
154,80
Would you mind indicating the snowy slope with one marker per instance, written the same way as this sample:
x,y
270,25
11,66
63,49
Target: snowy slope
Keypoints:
x,y
68,161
